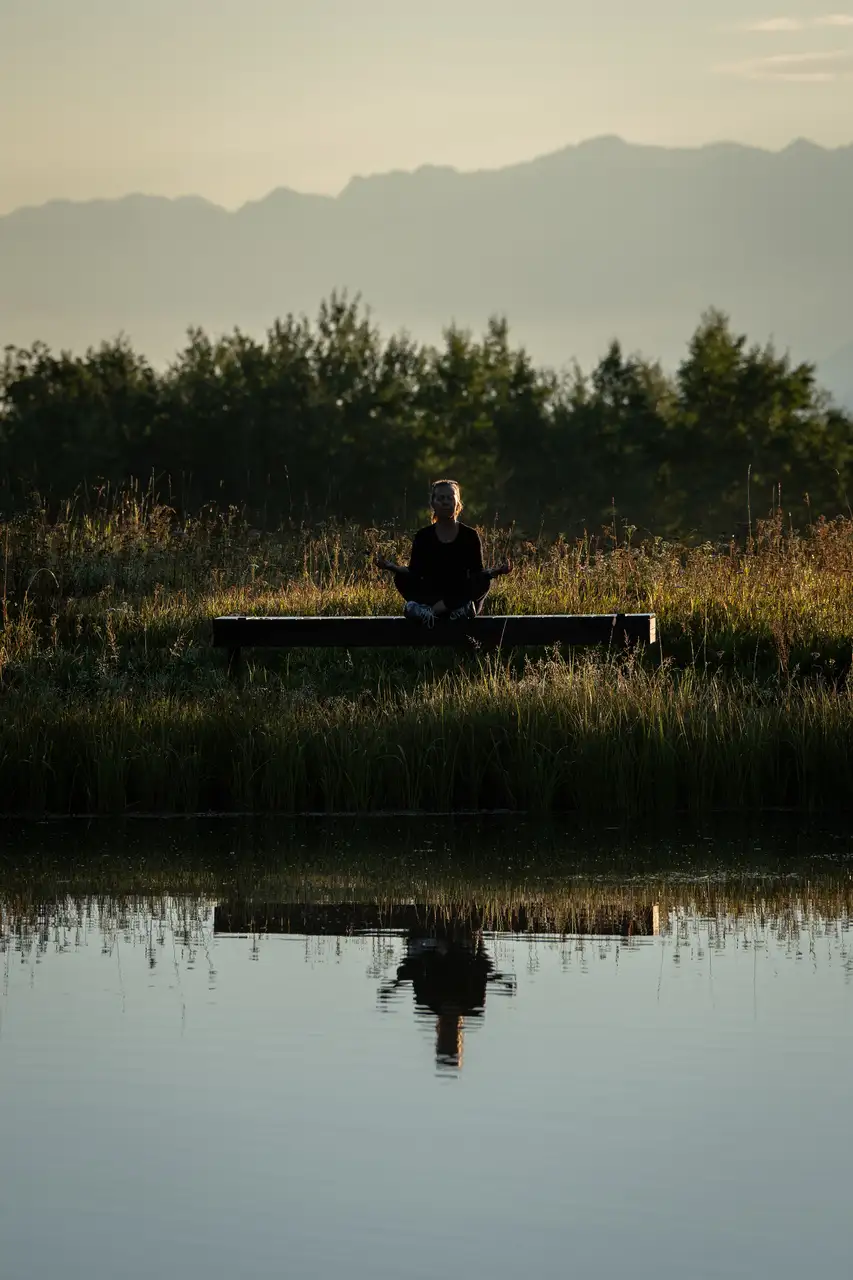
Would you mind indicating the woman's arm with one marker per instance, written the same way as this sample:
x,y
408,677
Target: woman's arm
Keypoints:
x,y
499,570
415,567
382,562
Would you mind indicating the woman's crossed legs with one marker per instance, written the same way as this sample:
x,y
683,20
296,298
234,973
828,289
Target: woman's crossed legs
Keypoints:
x,y
465,602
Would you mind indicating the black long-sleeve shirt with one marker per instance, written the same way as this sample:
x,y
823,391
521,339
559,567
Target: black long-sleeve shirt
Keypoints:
x,y
446,566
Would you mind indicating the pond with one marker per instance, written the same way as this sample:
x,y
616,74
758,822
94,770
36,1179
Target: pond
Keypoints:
x,y
383,1050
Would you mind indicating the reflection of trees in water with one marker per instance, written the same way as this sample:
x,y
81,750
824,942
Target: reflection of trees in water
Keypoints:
x,y
450,971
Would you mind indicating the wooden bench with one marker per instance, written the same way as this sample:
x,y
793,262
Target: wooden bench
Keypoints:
x,y
238,632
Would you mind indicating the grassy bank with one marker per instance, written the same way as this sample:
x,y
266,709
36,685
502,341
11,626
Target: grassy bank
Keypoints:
x,y
111,698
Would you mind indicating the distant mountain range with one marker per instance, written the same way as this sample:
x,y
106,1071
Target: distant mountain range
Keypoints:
x,y
601,240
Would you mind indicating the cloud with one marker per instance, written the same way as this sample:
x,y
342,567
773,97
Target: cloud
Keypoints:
x,y
770,26
785,26
800,68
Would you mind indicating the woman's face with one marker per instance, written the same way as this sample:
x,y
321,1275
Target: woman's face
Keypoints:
x,y
444,501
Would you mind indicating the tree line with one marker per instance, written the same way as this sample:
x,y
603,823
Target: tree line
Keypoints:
x,y
330,419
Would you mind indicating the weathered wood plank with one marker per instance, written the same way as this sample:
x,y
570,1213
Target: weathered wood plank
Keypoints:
x,y
238,632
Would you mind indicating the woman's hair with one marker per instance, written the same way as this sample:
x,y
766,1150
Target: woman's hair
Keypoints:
x,y
454,484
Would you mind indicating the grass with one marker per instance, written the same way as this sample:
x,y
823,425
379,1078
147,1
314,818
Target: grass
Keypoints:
x,y
112,700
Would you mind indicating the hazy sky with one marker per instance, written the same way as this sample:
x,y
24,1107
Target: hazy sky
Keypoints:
x,y
230,98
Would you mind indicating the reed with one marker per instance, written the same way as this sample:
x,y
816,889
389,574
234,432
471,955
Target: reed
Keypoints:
x,y
112,699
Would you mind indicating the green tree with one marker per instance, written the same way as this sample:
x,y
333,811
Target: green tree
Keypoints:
x,y
750,421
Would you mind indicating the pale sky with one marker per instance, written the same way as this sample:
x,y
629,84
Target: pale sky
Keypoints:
x,y
231,98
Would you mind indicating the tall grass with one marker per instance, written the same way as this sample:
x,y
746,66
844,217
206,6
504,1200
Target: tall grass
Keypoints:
x,y
111,698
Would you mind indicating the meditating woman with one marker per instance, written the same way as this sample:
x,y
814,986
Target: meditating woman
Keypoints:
x,y
445,577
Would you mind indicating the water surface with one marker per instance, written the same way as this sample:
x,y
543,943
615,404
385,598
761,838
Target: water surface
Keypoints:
x,y
293,1070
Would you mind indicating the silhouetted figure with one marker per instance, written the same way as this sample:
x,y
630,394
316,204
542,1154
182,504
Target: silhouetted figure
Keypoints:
x,y
450,971
445,577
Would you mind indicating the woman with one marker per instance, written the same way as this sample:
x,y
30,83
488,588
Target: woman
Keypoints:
x,y
445,577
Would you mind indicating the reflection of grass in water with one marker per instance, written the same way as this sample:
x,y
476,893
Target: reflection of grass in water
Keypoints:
x,y
494,874
176,934
727,909
170,930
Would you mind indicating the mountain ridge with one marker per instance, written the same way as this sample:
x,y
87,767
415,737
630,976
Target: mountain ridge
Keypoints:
x,y
722,146
600,239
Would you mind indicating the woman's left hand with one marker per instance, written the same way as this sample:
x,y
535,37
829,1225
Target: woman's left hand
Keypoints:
x,y
503,568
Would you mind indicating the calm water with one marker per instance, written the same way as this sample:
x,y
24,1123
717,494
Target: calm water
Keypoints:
x,y
215,1084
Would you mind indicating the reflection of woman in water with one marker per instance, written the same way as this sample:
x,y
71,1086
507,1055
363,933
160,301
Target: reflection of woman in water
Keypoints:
x,y
449,969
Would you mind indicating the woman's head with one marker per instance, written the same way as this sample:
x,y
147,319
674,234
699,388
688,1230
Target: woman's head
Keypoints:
x,y
445,499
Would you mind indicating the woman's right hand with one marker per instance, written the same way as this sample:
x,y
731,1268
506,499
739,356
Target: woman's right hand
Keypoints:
x,y
382,562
